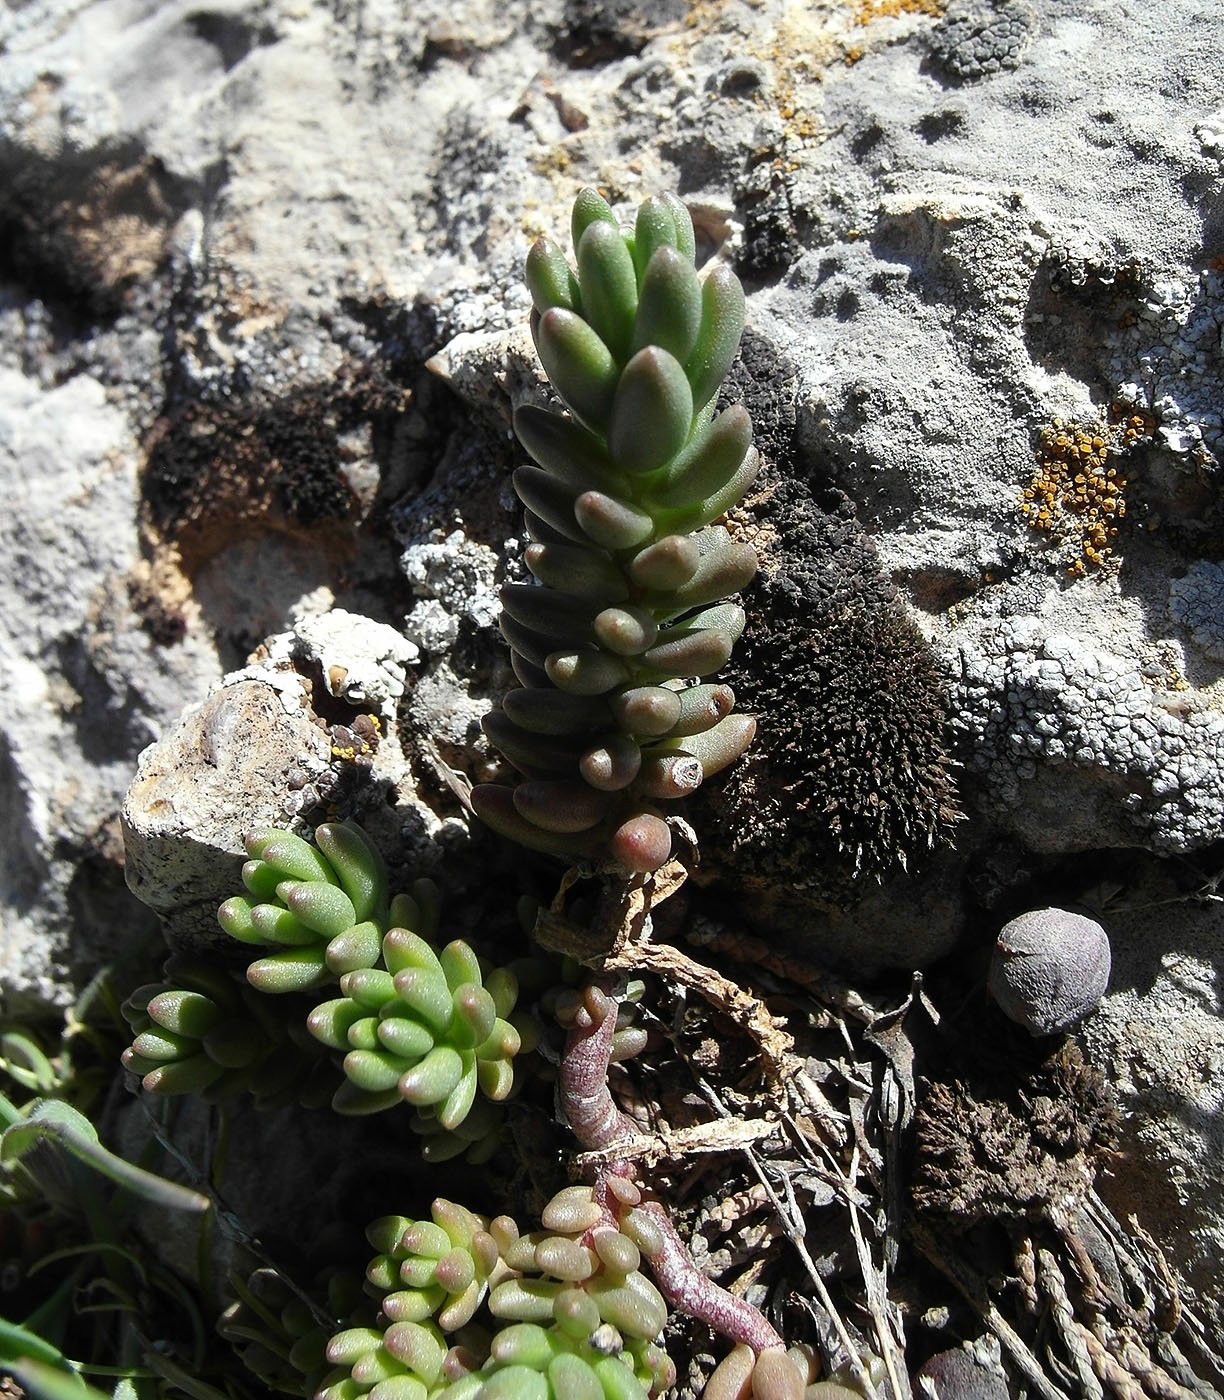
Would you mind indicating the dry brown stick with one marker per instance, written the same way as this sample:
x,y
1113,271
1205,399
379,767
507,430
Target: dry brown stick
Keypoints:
x,y
747,1011
1110,1370
1026,1273
973,1289
672,1144
1178,1365
1155,1378
827,989
1054,1286
792,1225
877,1297
621,943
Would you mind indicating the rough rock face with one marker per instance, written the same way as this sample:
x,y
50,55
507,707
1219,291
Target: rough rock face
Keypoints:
x,y
84,687
261,325
1159,1040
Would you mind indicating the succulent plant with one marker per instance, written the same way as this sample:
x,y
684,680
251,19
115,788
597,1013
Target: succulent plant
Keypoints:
x,y
629,615
440,1267
202,1031
577,1316
413,1023
323,909
426,1027
278,1334
783,1374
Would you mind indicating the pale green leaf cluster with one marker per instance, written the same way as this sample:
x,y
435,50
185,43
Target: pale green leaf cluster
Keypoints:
x,y
629,614
201,1031
412,1023
471,1309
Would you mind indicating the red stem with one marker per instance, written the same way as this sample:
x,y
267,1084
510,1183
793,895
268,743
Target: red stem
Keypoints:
x,y
598,1123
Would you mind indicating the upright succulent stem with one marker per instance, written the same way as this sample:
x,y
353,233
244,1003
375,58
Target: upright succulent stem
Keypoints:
x,y
629,611
586,1100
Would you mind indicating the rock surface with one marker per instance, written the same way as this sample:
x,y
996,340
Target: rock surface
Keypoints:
x,y
262,325
1158,1037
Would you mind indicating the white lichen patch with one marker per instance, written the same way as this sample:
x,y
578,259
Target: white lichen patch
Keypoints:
x,y
363,662
1196,602
1138,756
453,578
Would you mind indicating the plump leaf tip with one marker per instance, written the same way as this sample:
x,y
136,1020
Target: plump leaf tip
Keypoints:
x,y
628,618
413,1023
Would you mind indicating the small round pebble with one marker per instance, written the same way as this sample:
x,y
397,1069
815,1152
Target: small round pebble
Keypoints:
x,y
1050,968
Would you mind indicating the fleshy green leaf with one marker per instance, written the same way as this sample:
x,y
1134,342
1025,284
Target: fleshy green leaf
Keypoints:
x,y
652,411
550,279
567,451
653,228
610,522
324,908
669,305
584,672
583,573
590,206
564,807
581,367
294,970
294,858
358,865
609,286
433,1078
722,323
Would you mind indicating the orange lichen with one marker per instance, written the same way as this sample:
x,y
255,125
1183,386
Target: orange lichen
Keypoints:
x,y
867,10
1077,494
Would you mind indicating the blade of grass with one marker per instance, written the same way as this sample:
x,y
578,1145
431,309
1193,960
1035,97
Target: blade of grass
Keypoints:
x,y
61,1124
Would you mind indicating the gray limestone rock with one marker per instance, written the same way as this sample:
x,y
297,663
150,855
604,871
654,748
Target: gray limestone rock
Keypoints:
x,y
85,686
311,721
1196,601
248,756
1158,1038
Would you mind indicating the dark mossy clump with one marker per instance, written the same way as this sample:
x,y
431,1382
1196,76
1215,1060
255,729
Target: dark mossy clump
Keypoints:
x,y
88,231
850,775
260,459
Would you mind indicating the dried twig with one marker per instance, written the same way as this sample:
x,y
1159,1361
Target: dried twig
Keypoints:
x,y
792,1224
721,992
1110,1370
877,1298
1054,1286
673,1144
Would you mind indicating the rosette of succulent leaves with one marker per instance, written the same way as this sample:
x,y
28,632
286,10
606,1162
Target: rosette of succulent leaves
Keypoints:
x,y
433,1027
459,1306
630,612
469,1308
